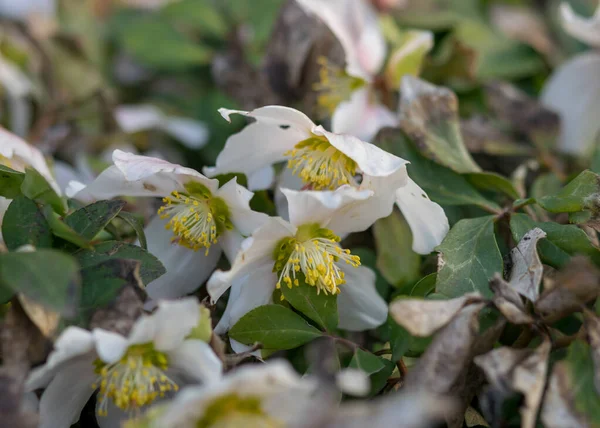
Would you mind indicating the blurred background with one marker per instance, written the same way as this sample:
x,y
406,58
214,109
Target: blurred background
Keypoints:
x,y
80,77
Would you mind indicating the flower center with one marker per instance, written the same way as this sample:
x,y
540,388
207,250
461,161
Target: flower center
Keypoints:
x,y
137,379
197,218
320,164
313,255
334,86
232,410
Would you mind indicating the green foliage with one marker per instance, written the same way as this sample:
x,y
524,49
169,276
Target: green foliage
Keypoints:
x,y
470,258
10,182
275,326
48,277
583,372
321,308
580,194
36,187
88,221
24,224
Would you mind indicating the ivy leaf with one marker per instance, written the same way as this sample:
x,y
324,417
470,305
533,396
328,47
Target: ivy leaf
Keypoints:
x,y
377,368
400,339
49,277
35,187
24,224
90,220
393,240
137,226
469,258
150,268
429,115
275,326
443,185
10,182
574,196
321,308
494,182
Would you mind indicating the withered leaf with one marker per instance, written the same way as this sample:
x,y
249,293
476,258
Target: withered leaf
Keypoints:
x,y
44,318
592,327
577,283
509,302
423,317
521,370
527,269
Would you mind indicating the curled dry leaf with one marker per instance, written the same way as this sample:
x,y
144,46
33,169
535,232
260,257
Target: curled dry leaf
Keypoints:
x,y
558,410
574,285
509,302
424,317
44,318
527,269
521,370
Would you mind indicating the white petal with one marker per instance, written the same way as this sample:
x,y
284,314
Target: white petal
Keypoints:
x,y
74,342
23,10
115,417
136,118
186,269
286,180
261,179
427,220
359,304
356,26
256,251
361,215
585,29
67,393
247,293
231,243
192,133
262,143
170,324
13,147
321,207
195,359
64,174
109,346
370,159
574,92
361,116
238,199
75,189
353,381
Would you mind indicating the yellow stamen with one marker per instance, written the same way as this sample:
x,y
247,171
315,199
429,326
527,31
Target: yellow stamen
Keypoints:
x,y
320,164
136,380
334,86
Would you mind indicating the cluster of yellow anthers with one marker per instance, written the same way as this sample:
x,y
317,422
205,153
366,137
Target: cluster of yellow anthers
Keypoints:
x,y
315,257
320,164
334,86
233,410
137,379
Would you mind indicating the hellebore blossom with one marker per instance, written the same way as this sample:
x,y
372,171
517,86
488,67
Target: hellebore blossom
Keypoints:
x,y
351,94
305,252
269,396
130,373
196,215
325,161
574,89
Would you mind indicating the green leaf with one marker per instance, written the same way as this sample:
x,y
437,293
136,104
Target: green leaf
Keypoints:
x,y
201,15
24,224
562,240
425,286
574,196
366,362
35,187
150,269
393,241
469,258
10,182
88,221
429,116
582,374
137,226
321,308
275,326
49,277
62,230
400,339
443,185
493,182
410,49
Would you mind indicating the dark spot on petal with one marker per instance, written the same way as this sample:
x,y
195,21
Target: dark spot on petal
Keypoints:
x,y
150,187
424,195
284,126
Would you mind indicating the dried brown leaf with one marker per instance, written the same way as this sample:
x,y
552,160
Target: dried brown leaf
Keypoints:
x,y
592,327
527,269
424,317
509,302
45,319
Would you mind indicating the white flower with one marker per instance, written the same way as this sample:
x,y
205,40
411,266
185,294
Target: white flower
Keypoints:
x,y
326,160
130,373
23,9
281,254
269,395
352,95
574,89
136,118
196,215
